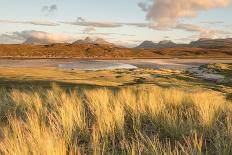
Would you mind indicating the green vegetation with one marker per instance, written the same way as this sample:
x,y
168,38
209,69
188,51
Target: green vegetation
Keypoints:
x,y
130,120
43,77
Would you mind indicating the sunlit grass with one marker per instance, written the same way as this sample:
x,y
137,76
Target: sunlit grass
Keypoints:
x,y
129,120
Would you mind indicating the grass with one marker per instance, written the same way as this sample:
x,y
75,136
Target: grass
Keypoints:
x,y
129,120
141,111
111,78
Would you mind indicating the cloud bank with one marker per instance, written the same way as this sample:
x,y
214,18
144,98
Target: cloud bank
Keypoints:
x,y
106,24
201,32
167,13
41,23
35,37
82,22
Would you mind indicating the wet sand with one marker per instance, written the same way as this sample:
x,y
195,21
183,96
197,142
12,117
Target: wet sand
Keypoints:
x,y
170,63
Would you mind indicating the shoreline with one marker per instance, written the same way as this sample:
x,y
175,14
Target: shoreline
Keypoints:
x,y
112,58
108,63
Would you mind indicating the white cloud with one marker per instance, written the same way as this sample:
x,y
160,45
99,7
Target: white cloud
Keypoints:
x,y
201,32
95,24
89,29
41,23
146,25
92,25
166,13
7,38
100,24
212,22
35,37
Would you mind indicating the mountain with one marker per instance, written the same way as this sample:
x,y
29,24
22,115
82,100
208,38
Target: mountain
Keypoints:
x,y
161,44
166,44
147,45
89,40
101,41
201,43
211,43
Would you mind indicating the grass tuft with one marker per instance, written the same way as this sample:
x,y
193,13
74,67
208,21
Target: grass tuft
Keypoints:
x,y
128,120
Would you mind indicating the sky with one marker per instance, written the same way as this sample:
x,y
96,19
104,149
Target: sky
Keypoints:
x,y
123,22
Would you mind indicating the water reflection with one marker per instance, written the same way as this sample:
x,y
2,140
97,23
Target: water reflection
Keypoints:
x,y
94,65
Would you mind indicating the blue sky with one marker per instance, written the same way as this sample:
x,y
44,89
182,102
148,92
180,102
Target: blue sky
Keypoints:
x,y
118,21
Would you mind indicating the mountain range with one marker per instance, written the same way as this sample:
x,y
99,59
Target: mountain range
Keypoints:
x,y
89,40
212,43
88,48
201,43
161,44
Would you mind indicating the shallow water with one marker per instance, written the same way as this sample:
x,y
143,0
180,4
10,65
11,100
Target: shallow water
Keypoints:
x,y
65,64
110,64
170,63
94,65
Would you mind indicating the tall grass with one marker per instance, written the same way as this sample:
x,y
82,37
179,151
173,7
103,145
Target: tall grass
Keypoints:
x,y
131,120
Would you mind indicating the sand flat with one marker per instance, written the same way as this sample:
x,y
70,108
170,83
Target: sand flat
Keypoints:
x,y
110,64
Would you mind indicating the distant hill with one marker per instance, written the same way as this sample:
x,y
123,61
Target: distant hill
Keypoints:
x,y
99,48
166,44
212,43
147,45
161,44
89,40
201,43
103,51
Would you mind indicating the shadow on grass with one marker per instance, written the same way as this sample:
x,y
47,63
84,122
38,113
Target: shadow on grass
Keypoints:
x,y
9,84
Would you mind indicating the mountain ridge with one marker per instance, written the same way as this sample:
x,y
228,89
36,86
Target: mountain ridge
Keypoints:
x,y
89,40
200,43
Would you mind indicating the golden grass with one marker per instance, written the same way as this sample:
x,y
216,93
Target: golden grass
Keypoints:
x,y
101,78
131,120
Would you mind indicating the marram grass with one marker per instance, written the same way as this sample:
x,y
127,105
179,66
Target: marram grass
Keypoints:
x,y
131,120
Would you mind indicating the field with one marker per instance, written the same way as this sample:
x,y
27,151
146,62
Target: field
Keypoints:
x,y
124,111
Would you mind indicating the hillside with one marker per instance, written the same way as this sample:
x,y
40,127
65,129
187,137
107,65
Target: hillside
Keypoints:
x,y
212,43
106,51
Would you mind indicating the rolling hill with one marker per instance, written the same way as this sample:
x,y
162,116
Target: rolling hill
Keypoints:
x,y
104,51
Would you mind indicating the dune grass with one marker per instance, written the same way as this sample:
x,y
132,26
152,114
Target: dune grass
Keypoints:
x,y
129,120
